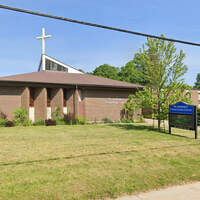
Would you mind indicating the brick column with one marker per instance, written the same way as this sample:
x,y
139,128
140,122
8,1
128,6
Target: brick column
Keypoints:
x,y
76,102
70,101
57,100
25,99
195,97
40,103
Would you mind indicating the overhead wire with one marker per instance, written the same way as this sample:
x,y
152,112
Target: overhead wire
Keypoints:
x,y
96,25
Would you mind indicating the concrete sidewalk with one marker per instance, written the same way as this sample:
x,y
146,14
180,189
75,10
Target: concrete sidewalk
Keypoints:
x,y
184,192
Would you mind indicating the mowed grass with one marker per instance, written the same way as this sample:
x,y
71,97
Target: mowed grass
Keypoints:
x,y
93,161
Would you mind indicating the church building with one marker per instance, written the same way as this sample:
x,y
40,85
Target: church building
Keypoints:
x,y
57,84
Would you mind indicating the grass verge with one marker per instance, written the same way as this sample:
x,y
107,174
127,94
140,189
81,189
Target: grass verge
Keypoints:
x,y
93,161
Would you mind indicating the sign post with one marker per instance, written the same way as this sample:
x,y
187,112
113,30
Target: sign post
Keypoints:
x,y
182,115
196,124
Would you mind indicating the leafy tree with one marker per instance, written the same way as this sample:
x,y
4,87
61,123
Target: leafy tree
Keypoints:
x,y
197,83
129,73
107,71
132,72
163,71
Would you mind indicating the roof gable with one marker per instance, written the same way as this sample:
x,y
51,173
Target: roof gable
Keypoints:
x,y
51,64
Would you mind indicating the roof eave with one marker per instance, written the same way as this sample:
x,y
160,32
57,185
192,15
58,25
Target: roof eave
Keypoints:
x,y
28,83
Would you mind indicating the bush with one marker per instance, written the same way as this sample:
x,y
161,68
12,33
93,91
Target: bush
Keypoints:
x,y
69,118
72,120
2,122
9,124
50,122
39,122
148,115
20,116
60,121
81,120
141,119
3,115
107,120
27,122
127,121
56,113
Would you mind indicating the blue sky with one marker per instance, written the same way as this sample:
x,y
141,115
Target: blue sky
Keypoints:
x,y
87,47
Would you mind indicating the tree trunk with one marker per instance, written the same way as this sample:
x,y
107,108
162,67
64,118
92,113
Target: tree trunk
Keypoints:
x,y
159,120
159,124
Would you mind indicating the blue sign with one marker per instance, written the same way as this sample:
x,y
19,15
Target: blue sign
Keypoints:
x,y
181,108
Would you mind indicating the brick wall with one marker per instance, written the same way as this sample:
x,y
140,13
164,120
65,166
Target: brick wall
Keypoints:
x,y
25,96
40,103
70,100
100,104
93,104
10,100
194,97
57,99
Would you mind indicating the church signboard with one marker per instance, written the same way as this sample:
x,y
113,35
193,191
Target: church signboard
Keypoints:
x,y
184,116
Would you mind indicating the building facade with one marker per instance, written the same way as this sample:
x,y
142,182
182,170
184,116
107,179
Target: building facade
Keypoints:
x,y
195,97
40,93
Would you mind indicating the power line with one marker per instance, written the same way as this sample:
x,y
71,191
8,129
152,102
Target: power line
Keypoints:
x,y
96,25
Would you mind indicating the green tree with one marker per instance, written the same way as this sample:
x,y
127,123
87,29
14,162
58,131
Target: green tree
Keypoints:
x,y
107,71
134,70
163,71
197,83
129,73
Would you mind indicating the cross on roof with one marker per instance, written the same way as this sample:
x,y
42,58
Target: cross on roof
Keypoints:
x,y
43,37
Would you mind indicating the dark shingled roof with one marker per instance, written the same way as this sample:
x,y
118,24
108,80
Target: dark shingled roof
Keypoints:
x,y
64,78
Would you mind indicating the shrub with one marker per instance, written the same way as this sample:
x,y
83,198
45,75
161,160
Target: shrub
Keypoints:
x,y
9,124
81,120
69,118
50,122
3,115
95,120
39,122
127,120
107,120
27,122
141,119
147,114
2,122
60,121
72,120
20,116
56,113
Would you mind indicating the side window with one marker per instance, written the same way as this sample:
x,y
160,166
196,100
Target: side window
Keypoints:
x,y
50,65
65,97
32,97
49,97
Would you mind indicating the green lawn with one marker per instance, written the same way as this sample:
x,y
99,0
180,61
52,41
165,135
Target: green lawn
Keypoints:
x,y
93,161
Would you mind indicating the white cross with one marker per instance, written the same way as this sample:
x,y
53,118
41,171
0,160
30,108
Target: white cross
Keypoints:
x,y
43,37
